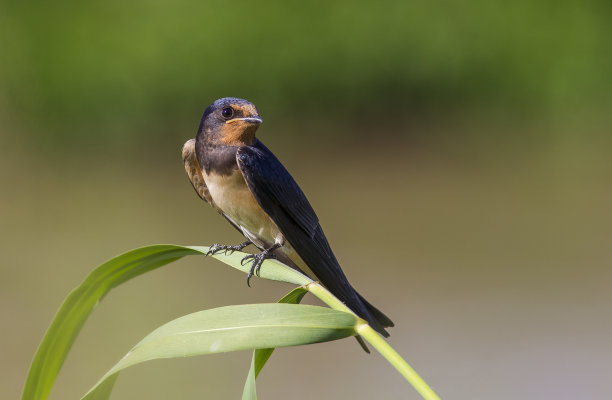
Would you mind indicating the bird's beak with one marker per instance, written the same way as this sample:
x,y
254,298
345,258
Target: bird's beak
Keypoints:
x,y
248,120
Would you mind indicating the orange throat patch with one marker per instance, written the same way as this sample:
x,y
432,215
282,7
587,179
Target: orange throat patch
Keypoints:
x,y
238,134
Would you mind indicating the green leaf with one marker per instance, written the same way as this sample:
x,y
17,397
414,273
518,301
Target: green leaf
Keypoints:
x,y
79,304
250,391
75,310
235,328
261,356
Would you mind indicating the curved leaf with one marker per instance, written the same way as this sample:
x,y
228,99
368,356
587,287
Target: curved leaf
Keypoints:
x,y
261,356
73,313
234,328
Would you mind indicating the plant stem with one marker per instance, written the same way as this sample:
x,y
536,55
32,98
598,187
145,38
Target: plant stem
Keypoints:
x,y
371,336
326,297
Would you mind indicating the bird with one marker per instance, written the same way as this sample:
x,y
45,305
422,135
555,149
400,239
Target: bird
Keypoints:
x,y
243,181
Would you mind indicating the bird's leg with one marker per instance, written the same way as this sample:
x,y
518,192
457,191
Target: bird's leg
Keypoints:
x,y
217,248
258,259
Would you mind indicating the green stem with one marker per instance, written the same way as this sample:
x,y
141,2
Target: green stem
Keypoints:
x,y
371,336
325,295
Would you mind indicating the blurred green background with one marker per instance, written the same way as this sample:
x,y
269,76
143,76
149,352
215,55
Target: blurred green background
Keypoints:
x,y
458,156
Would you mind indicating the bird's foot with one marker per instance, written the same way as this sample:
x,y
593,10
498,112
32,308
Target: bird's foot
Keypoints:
x,y
258,259
217,248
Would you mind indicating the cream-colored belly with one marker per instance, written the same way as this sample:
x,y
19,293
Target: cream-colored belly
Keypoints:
x,y
231,196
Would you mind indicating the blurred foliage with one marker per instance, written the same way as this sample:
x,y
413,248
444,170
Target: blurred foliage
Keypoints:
x,y
124,72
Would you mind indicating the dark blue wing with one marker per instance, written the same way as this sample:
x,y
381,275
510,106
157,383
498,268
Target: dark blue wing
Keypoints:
x,y
271,180
283,200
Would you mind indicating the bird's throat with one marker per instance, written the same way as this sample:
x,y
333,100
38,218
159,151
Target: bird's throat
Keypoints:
x,y
238,134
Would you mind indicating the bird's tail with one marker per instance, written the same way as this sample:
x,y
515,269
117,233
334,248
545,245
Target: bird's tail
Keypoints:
x,y
378,316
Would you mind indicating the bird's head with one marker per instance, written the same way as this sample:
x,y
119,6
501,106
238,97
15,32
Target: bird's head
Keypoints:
x,y
229,121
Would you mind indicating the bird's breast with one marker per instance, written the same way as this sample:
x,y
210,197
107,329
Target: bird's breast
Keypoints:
x,y
232,197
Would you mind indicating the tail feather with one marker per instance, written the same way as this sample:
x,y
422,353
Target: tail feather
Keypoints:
x,y
377,314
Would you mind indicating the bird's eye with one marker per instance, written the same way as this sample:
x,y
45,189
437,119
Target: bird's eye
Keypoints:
x,y
227,112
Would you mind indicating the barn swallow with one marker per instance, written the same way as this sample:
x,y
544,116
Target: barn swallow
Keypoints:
x,y
242,180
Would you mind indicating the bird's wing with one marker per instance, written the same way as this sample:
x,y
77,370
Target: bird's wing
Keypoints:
x,y
283,200
194,171
273,186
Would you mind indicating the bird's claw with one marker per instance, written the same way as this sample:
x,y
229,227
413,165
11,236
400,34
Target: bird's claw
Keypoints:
x,y
245,259
217,248
214,249
258,259
231,249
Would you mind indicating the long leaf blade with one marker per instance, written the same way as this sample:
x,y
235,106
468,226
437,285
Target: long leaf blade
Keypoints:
x,y
79,304
261,356
235,328
250,390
